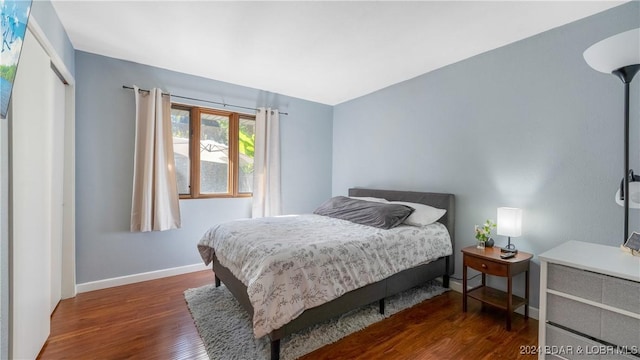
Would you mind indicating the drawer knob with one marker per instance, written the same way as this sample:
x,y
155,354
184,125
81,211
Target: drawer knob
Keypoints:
x,y
484,266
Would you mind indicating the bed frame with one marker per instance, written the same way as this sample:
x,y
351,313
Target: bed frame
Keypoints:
x,y
443,267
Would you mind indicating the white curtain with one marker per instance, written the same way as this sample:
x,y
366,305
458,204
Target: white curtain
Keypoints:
x,y
266,164
154,205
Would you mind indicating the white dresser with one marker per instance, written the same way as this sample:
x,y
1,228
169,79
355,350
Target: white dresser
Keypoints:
x,y
589,303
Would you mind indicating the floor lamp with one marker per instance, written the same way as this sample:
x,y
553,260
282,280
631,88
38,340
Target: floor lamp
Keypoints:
x,y
620,55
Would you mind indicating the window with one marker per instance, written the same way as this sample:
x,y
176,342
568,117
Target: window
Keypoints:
x,y
220,162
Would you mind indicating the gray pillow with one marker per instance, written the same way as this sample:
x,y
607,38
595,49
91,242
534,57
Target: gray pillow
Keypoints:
x,y
380,215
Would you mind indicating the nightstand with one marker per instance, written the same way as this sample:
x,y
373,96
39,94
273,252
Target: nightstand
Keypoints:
x,y
488,262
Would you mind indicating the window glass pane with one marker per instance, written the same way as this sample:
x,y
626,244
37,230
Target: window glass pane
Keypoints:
x,y
180,129
214,154
246,148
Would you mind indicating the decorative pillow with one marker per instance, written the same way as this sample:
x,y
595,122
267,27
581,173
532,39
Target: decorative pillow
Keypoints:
x,y
423,214
384,216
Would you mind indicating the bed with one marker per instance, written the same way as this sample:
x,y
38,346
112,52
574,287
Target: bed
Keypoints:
x,y
342,301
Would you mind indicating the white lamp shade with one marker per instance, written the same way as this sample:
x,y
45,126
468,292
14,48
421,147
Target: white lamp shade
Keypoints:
x,y
509,221
614,52
634,195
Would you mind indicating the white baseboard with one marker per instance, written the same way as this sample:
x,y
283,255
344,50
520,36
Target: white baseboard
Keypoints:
x,y
135,278
533,312
455,286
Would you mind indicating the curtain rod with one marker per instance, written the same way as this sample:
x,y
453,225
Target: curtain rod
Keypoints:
x,y
200,100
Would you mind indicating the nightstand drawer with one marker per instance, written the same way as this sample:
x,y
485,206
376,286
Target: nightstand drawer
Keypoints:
x,y
487,267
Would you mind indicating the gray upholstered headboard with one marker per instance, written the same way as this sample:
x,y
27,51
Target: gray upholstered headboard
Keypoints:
x,y
438,200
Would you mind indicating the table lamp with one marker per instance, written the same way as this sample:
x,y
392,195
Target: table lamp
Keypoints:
x,y
510,225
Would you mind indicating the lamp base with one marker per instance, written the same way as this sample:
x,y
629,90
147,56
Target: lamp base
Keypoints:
x,y
510,248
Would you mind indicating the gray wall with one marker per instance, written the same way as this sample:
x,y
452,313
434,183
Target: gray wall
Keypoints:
x,y
528,125
104,157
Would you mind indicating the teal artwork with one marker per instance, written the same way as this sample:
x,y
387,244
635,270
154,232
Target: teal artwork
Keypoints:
x,y
14,15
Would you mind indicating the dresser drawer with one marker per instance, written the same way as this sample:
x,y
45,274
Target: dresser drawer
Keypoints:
x,y
574,315
486,267
619,329
567,345
562,344
580,283
622,294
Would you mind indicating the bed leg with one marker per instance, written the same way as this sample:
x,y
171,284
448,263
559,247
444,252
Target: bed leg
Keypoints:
x,y
381,303
275,349
217,280
445,281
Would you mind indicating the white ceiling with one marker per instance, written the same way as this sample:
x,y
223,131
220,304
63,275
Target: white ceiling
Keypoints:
x,y
328,52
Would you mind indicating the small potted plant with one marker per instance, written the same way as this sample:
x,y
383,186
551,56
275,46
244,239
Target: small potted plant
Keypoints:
x,y
483,234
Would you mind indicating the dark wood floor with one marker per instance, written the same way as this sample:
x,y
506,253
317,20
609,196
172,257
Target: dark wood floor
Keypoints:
x,y
150,320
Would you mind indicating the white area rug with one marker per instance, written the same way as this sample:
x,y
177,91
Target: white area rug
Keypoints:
x,y
225,327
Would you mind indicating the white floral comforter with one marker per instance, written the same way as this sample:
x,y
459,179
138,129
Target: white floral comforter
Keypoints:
x,y
293,263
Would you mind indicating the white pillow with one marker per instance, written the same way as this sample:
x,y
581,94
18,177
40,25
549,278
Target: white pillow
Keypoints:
x,y
423,214
372,199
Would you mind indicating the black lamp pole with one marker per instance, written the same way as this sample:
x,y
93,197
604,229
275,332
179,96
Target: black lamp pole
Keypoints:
x,y
626,74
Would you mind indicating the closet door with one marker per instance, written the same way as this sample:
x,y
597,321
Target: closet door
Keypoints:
x,y
32,129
